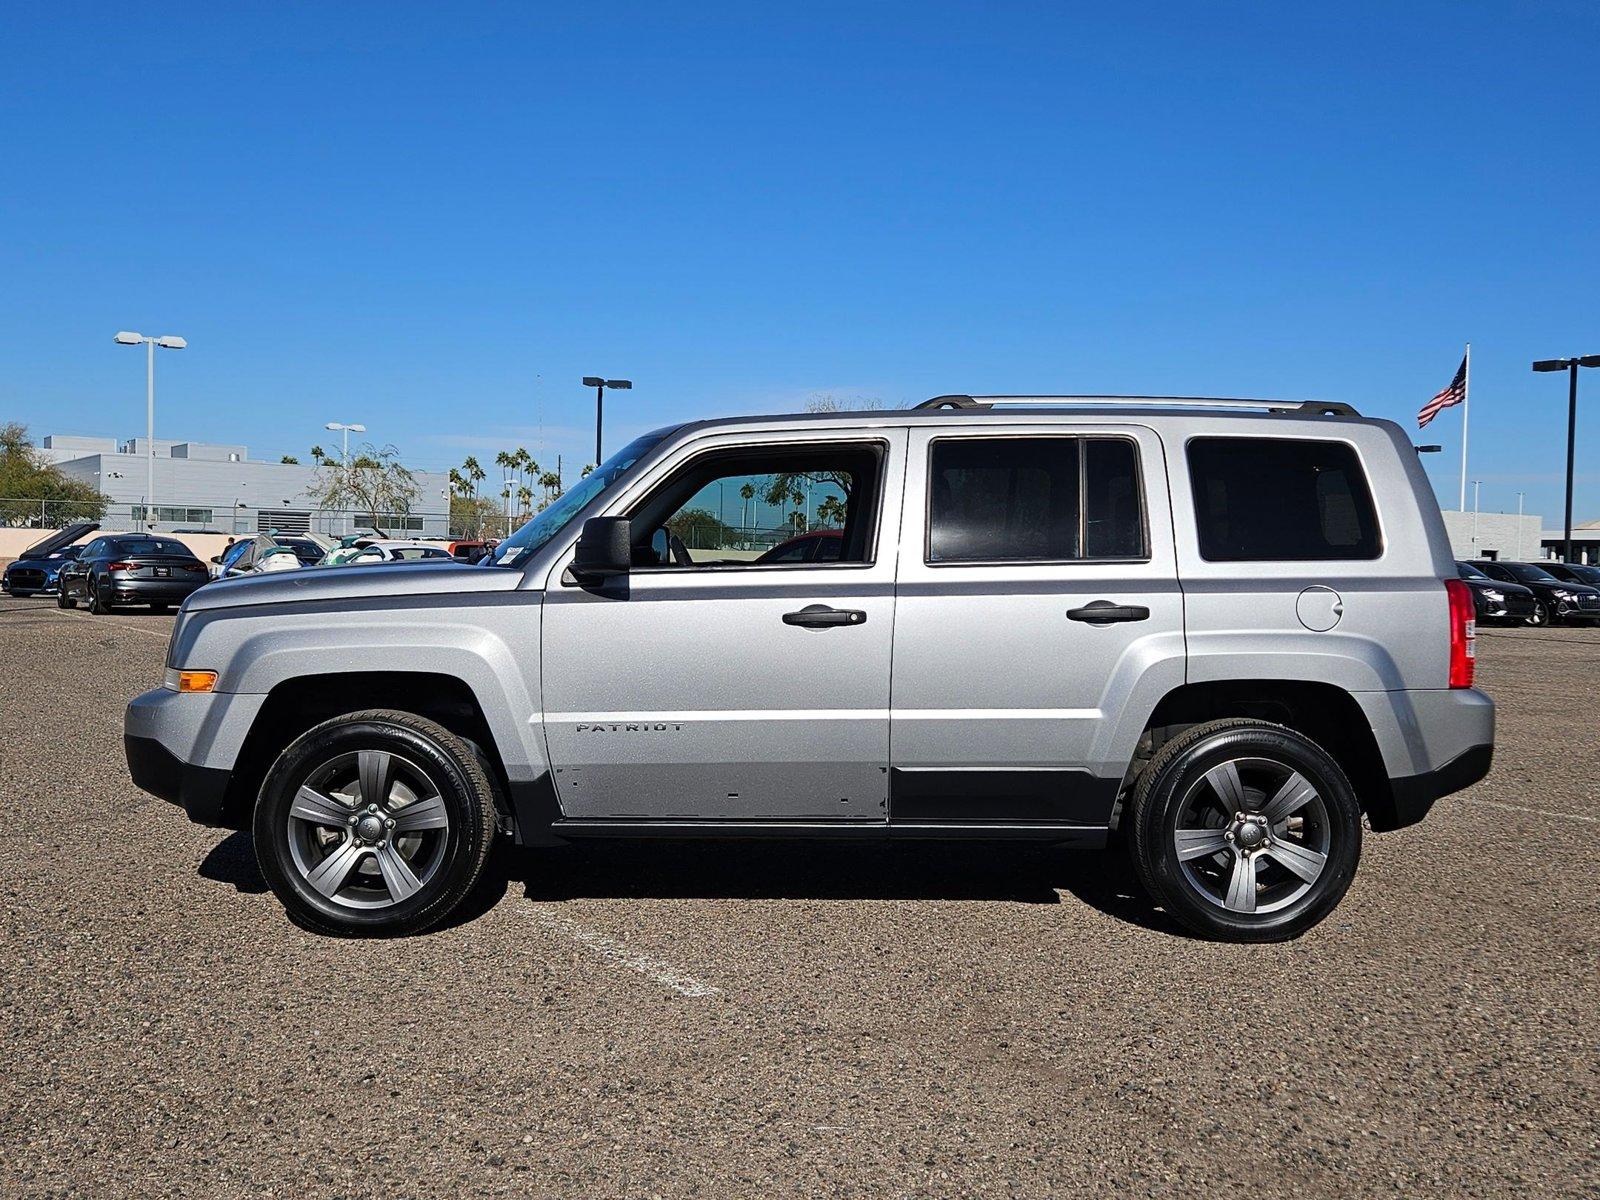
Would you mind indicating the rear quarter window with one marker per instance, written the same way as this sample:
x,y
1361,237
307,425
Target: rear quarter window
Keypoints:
x,y
1281,500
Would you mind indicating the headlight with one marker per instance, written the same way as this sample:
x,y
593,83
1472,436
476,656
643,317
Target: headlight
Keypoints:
x,y
1561,593
1491,594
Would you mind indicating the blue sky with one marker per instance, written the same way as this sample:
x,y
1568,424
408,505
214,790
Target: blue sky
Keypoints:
x,y
435,220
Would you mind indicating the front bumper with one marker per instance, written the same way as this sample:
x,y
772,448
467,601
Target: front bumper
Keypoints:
x,y
183,747
199,791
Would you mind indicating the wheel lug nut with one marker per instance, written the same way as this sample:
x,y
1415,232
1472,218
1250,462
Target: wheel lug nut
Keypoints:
x,y
389,822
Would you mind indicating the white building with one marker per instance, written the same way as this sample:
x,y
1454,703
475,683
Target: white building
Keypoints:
x,y
1493,535
201,486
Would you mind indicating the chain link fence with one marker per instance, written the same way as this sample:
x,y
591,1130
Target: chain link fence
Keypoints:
x,y
233,519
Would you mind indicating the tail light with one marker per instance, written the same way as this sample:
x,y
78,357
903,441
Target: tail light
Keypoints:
x,y
122,566
1463,634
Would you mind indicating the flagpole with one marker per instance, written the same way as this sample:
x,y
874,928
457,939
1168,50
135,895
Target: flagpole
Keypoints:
x,y
1466,409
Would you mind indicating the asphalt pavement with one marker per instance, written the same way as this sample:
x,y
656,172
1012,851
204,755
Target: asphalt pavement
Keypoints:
x,y
789,1020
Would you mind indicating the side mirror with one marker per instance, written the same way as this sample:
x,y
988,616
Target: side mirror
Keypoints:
x,y
216,558
603,549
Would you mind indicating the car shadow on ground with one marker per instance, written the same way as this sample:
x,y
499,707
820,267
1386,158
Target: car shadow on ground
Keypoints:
x,y
778,870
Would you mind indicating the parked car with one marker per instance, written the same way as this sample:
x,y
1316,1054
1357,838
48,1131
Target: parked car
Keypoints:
x,y
1495,599
393,551
37,570
1554,600
1583,573
1230,634
245,556
822,545
130,568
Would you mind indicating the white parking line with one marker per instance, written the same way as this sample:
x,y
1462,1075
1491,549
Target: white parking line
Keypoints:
x,y
111,623
614,952
1538,812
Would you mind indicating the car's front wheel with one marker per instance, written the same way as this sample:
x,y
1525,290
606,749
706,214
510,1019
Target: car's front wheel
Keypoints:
x,y
1245,831
64,598
1540,614
374,823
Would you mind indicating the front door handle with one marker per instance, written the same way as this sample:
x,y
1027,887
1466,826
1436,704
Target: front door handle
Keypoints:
x,y
1104,612
820,616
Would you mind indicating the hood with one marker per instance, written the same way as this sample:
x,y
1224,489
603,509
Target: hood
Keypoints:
x,y
319,584
63,537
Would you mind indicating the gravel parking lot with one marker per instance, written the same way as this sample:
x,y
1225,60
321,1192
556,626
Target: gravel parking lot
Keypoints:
x,y
771,1020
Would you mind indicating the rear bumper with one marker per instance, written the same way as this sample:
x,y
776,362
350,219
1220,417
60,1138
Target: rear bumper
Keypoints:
x,y
135,591
1412,797
199,791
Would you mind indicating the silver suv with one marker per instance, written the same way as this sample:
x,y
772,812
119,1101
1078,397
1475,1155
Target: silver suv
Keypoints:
x,y
1222,633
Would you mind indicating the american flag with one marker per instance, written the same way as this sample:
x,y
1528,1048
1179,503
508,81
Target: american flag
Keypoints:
x,y
1454,394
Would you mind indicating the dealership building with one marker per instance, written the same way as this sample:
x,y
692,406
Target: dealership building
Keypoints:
x,y
206,487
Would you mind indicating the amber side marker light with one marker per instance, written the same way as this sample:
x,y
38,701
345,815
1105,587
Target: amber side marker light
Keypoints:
x,y
196,681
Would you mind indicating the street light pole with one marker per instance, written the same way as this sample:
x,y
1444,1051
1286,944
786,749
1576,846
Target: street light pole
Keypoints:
x,y
1519,525
600,384
1569,365
1476,485
166,342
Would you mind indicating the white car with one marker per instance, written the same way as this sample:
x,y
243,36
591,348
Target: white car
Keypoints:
x,y
396,551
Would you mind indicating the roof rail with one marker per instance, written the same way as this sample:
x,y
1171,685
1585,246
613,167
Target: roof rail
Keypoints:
x,y
1320,408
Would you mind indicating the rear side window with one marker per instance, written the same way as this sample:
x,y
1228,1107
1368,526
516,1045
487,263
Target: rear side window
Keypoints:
x,y
1052,499
1281,500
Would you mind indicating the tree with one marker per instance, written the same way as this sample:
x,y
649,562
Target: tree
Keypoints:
x,y
318,455
551,483
699,528
826,402
34,492
588,469
748,492
290,460
375,482
831,512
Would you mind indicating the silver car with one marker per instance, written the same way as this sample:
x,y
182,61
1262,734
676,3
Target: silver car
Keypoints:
x,y
1230,632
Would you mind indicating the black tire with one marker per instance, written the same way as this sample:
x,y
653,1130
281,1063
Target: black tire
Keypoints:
x,y
63,600
450,765
1170,782
97,601
1540,616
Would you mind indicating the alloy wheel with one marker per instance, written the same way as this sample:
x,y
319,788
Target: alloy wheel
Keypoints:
x,y
1252,835
368,829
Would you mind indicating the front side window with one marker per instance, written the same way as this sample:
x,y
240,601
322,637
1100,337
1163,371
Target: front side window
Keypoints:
x,y
1281,500
1043,499
769,506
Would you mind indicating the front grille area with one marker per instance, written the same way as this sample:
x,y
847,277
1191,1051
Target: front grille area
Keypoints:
x,y
27,578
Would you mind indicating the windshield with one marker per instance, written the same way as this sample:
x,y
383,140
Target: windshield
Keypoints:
x,y
1468,571
1587,574
517,549
1530,574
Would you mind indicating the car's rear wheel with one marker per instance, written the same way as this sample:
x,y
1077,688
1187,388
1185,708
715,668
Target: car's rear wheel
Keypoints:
x,y
99,599
63,600
374,823
1245,831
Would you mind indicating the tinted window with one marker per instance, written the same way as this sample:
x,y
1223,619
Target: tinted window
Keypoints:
x,y
1276,499
151,546
1468,571
1527,573
1033,500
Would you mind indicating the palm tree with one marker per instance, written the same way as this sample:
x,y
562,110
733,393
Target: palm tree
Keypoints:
x,y
748,491
551,483
525,497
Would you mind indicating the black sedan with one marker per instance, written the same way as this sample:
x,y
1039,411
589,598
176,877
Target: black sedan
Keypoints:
x,y
1496,600
1553,599
130,568
38,568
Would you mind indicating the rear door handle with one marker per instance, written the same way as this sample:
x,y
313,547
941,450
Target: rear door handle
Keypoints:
x,y
820,616
1104,612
